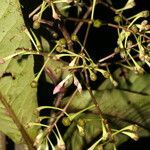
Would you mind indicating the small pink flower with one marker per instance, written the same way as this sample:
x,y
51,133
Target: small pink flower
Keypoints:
x,y
58,87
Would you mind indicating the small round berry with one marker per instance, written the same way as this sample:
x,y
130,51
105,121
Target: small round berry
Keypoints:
x,y
117,50
74,37
34,84
66,121
35,17
54,34
81,122
59,49
97,23
93,76
36,24
62,41
117,19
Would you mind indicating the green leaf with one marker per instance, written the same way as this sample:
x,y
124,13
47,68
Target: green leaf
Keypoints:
x,y
18,100
127,104
91,130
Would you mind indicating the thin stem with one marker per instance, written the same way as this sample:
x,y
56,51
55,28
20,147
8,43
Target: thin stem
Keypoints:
x,y
66,35
86,36
81,23
34,11
93,9
79,20
51,125
100,113
107,57
128,30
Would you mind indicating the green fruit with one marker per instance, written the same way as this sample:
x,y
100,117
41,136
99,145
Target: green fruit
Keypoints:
x,y
117,50
34,84
62,41
93,76
66,121
54,34
59,48
74,37
97,23
36,24
117,19
81,122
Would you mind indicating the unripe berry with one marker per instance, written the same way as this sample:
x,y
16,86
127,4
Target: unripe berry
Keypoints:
x,y
62,41
36,24
74,37
97,23
59,49
117,19
93,76
81,122
34,84
66,121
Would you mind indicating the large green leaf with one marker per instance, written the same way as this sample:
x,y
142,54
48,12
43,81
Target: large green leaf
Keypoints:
x,y
127,104
17,96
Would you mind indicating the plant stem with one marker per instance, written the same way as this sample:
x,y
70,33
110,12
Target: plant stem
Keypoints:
x,y
81,23
51,125
100,113
20,127
66,35
128,30
2,141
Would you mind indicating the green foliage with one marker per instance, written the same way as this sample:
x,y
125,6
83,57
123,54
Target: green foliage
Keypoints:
x,y
126,104
15,75
94,119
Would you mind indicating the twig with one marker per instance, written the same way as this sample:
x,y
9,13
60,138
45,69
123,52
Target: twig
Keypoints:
x,y
114,53
81,23
114,10
97,106
128,30
78,20
47,131
66,35
101,114
107,57
34,11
